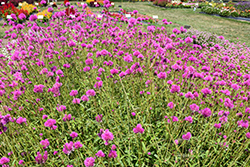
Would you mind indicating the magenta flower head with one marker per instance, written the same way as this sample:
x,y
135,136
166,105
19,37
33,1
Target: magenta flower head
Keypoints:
x,y
73,135
33,17
171,105
21,120
113,147
41,159
98,118
248,135
206,112
22,16
133,113
89,162
162,75
85,98
68,147
50,123
90,92
77,145
100,154
188,40
4,160
107,136
73,93
45,143
112,154
189,119
20,162
217,125
175,88
138,129
186,136
50,9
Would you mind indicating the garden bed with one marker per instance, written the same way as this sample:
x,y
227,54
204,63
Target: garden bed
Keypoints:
x,y
230,17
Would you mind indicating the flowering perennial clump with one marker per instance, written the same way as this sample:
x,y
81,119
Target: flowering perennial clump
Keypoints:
x,y
83,90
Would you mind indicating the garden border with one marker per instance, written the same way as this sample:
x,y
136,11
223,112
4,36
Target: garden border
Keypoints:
x,y
230,17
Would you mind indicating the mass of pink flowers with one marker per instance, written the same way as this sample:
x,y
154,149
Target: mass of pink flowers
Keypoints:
x,y
99,92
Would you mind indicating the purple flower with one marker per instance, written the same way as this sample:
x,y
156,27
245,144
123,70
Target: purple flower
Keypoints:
x,y
50,123
45,143
73,93
138,129
175,88
50,9
89,162
4,160
85,98
248,135
194,107
22,16
41,159
100,154
133,113
33,17
20,162
189,119
73,135
107,136
112,154
90,92
21,120
98,118
162,75
206,112
171,105
186,136
77,145
89,61
217,125
68,147
113,147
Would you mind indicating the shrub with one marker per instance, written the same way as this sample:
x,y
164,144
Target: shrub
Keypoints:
x,y
235,14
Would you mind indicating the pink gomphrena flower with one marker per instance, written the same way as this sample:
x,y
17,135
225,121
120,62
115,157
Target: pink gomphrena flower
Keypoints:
x,y
70,166
171,105
107,136
73,93
188,40
186,136
248,135
100,154
162,75
21,120
243,124
84,98
149,153
206,91
4,160
89,162
175,119
175,88
67,117
38,88
176,142
73,135
98,85
206,112
45,143
138,129
112,154
217,125
98,118
68,148
90,92
41,159
20,162
45,116
77,145
61,108
113,147
50,123
133,113
76,101
189,119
